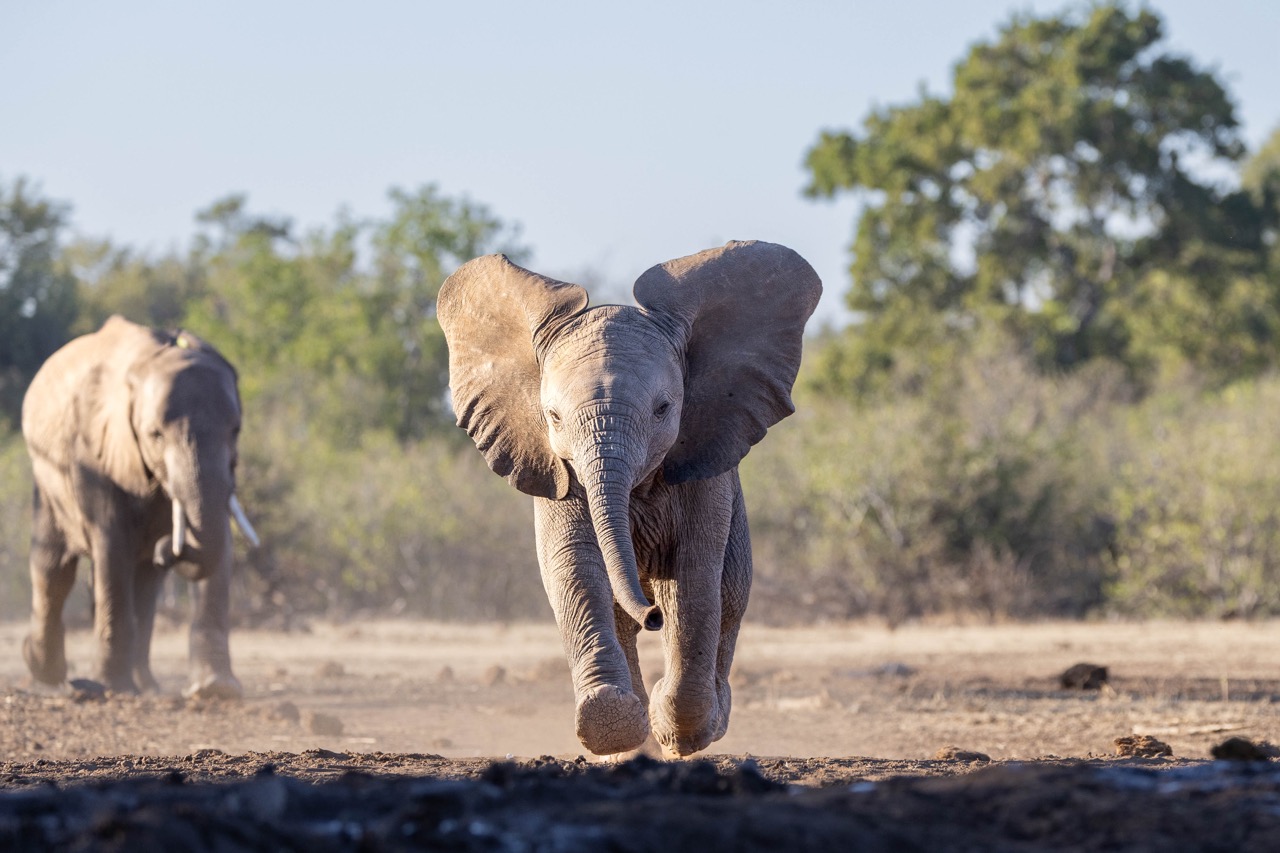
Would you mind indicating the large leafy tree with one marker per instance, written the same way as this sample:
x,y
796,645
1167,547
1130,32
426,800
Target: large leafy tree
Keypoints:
x,y
38,303
153,290
1071,189
427,237
340,343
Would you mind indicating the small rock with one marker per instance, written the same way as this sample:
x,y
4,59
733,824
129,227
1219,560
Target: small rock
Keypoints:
x,y
493,676
442,743
86,690
955,753
327,754
895,670
445,674
1243,749
331,669
1083,676
1141,746
321,724
286,711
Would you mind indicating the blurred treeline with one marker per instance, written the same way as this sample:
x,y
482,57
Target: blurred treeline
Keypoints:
x,y
1058,394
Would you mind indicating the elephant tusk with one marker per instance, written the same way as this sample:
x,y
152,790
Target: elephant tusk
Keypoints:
x,y
179,528
237,512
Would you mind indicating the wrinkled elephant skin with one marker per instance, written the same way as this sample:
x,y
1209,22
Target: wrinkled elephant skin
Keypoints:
x,y
627,424
132,434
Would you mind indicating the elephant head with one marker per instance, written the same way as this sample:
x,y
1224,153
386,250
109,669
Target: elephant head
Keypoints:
x,y
680,388
184,413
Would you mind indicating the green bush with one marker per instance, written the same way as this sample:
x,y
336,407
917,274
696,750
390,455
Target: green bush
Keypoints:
x,y
421,527
980,495
15,526
1196,500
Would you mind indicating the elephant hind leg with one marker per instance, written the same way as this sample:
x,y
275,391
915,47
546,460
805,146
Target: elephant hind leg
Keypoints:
x,y
703,603
684,705
628,631
53,573
114,622
735,589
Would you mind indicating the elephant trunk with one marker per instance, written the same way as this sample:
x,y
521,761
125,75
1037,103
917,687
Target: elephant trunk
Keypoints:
x,y
608,484
199,545
210,527
170,549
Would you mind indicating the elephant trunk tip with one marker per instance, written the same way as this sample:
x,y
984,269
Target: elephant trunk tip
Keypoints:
x,y
652,619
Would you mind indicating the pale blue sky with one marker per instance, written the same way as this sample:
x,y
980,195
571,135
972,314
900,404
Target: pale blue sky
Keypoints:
x,y
617,135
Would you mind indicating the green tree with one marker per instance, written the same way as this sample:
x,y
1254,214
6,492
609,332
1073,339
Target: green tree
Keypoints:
x,y
38,300
114,280
288,313
1065,188
427,237
1260,175
342,345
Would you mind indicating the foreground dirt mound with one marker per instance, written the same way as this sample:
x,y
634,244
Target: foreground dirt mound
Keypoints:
x,y
550,804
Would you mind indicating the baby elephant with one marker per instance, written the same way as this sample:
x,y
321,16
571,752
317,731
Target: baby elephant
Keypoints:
x,y
132,434
627,425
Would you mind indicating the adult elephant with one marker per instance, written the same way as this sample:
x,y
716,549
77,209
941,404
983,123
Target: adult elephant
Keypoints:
x,y
627,425
132,435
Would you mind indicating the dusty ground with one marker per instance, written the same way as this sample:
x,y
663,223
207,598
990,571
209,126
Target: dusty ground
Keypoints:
x,y
835,708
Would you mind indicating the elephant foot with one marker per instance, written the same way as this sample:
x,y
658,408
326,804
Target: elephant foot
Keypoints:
x,y
145,680
611,720
215,686
649,749
120,685
684,725
48,666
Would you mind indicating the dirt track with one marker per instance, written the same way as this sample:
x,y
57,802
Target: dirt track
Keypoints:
x,y
851,705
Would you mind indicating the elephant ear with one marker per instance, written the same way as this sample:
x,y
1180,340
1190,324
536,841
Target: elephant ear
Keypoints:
x,y
740,311
497,317
107,404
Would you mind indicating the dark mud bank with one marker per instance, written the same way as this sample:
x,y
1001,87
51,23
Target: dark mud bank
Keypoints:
x,y
554,805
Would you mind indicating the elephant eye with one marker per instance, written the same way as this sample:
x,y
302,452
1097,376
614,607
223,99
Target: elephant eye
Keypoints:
x,y
156,435
554,417
661,410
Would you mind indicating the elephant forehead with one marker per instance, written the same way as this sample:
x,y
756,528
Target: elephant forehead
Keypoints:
x,y
193,391
616,354
610,334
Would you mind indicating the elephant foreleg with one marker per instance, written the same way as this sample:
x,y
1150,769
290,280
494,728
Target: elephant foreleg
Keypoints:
x,y
210,649
610,716
53,573
146,589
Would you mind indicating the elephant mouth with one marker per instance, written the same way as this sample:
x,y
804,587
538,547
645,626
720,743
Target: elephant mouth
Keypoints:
x,y
186,562
174,551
